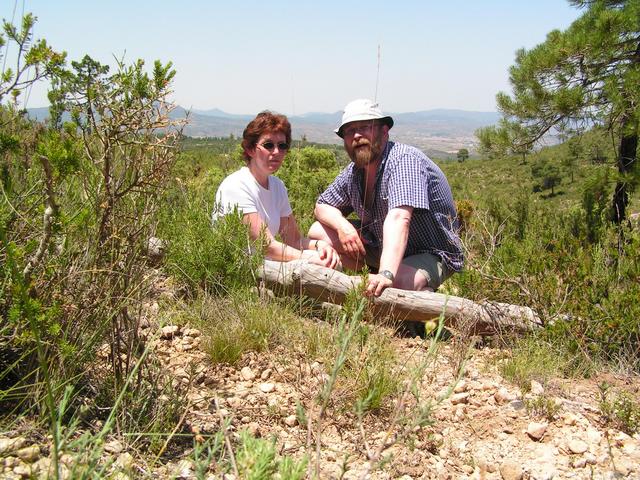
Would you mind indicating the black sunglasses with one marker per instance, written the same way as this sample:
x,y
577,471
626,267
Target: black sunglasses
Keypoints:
x,y
269,145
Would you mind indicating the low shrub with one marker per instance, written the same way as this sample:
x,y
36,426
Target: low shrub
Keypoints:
x,y
201,255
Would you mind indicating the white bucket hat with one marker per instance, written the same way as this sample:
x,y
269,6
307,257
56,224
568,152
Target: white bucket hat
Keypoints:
x,y
362,109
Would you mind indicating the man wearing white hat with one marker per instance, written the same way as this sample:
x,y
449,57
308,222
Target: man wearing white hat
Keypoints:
x,y
407,227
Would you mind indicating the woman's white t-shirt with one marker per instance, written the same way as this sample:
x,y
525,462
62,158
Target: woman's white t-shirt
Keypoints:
x,y
242,190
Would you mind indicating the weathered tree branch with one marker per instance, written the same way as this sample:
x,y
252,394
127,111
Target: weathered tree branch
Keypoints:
x,y
486,318
50,212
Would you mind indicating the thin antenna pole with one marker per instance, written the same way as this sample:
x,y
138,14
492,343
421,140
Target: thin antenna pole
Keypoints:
x,y
293,98
29,69
375,97
6,49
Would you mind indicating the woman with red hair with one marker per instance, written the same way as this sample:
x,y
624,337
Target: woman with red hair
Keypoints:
x,y
262,198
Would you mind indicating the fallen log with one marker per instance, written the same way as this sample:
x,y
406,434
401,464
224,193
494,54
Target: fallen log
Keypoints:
x,y
325,284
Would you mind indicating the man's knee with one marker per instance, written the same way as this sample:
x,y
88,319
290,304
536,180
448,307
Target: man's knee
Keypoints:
x,y
409,278
430,271
317,231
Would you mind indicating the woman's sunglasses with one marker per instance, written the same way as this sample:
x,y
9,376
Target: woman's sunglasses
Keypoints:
x,y
269,146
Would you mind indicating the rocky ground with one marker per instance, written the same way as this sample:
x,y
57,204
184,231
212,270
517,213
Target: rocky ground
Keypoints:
x,y
486,428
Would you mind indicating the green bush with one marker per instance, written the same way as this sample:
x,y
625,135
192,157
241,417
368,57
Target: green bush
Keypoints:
x,y
558,254
621,411
307,172
202,255
80,205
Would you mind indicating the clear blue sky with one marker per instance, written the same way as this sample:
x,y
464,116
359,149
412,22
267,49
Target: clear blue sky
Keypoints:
x,y
302,56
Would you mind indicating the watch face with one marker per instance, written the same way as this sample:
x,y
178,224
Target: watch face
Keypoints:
x,y
387,274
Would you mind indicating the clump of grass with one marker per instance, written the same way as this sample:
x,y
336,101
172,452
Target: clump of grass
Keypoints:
x,y
621,411
240,323
369,375
542,406
532,358
364,364
257,459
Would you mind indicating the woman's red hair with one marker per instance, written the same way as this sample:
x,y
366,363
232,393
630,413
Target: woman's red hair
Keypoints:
x,y
265,122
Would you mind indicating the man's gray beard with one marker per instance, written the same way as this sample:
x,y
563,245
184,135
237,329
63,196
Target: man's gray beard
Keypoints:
x,y
363,156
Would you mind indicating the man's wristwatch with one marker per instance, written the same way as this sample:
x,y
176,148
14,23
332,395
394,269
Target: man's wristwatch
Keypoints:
x,y
387,274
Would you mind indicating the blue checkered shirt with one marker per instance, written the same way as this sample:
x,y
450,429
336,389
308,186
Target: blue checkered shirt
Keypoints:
x,y
405,177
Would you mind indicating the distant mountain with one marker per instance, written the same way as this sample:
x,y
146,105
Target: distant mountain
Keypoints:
x,y
437,132
216,112
40,114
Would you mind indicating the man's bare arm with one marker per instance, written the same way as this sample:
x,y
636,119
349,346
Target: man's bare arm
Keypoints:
x,y
350,241
394,243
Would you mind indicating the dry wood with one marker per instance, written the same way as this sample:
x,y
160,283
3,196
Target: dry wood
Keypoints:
x,y
485,318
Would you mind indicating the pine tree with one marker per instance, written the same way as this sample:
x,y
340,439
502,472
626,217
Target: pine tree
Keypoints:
x,y
586,75
463,154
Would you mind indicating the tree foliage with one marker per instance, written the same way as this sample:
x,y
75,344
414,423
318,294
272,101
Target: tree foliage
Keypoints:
x,y
463,154
507,138
33,60
80,201
586,75
546,174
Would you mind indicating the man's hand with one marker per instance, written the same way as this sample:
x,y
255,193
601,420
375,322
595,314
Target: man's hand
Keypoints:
x,y
330,260
328,255
377,284
351,241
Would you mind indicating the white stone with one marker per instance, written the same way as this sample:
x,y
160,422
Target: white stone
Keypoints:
x,y
580,462
247,374
543,472
29,454
169,331
185,469
460,387
569,419
43,466
23,470
577,446
254,429
192,332
8,445
536,430
594,436
156,248
291,421
125,461
67,459
503,396
624,466
511,470
536,388
113,446
459,398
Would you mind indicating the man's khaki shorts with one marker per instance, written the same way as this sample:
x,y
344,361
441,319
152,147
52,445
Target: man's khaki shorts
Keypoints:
x,y
428,264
